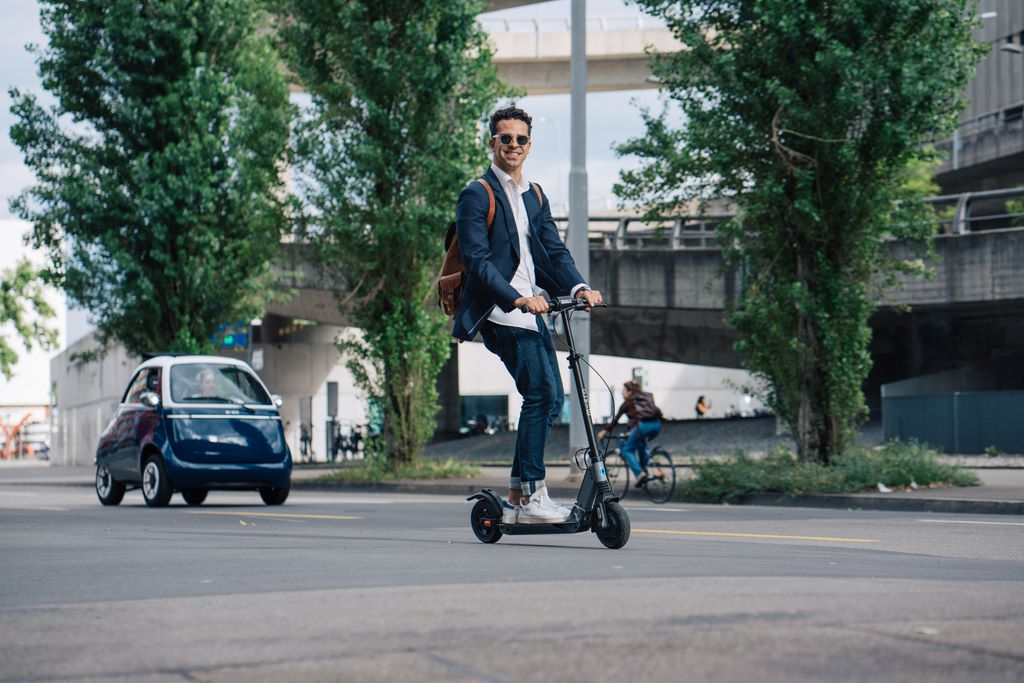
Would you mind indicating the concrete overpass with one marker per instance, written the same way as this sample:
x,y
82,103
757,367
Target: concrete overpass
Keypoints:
x,y
534,54
668,291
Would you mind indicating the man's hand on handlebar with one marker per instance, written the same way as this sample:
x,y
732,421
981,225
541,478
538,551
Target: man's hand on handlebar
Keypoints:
x,y
591,296
584,300
532,304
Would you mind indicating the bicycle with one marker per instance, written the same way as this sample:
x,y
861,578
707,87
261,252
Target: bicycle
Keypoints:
x,y
661,473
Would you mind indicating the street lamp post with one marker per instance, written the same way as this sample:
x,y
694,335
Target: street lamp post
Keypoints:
x,y
578,243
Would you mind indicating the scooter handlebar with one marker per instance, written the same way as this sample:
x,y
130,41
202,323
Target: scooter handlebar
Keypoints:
x,y
566,303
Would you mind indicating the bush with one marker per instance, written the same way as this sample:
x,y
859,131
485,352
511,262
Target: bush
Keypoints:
x,y
897,465
373,470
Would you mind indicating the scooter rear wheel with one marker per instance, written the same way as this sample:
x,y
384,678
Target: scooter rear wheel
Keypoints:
x,y
484,521
616,534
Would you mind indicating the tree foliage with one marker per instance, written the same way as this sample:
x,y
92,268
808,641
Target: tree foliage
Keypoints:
x,y
158,193
805,114
24,312
398,89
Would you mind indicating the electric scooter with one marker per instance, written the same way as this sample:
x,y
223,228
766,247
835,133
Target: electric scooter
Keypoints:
x,y
596,508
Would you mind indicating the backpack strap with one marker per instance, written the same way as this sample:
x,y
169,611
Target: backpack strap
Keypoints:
x,y
490,202
540,199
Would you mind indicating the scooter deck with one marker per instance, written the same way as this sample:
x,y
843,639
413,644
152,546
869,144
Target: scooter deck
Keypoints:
x,y
524,529
577,522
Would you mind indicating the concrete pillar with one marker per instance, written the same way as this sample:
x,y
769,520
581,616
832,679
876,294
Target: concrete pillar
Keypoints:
x,y
449,418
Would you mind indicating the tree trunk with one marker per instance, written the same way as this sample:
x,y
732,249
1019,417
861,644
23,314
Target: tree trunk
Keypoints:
x,y
811,442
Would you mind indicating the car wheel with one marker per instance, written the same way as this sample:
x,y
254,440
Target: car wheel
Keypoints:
x,y
109,492
275,495
195,496
156,485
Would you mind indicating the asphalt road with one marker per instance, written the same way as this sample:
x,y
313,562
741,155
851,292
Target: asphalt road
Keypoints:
x,y
369,587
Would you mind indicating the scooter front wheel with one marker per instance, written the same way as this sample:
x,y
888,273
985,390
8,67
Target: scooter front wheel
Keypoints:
x,y
616,534
484,521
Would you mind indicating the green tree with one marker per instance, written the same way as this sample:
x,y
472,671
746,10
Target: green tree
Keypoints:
x,y
158,188
398,91
806,114
24,312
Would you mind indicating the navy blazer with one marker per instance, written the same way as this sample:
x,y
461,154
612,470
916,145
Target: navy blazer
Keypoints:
x,y
492,261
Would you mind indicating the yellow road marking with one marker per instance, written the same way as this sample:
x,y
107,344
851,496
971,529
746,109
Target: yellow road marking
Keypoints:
x,y
736,535
271,514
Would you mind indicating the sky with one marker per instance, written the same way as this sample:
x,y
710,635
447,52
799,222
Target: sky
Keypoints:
x,y
612,117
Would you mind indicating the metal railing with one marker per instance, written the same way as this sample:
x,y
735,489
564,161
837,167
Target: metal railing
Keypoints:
x,y
634,232
1008,120
955,214
960,214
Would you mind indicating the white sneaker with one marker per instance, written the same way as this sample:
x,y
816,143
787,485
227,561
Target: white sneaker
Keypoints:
x,y
509,512
542,510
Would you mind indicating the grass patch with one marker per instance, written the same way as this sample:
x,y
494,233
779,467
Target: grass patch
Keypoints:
x,y
897,465
375,470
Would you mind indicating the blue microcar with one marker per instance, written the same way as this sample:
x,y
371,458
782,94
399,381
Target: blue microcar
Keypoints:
x,y
191,424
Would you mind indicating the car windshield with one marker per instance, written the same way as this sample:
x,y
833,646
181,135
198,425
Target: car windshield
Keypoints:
x,y
212,383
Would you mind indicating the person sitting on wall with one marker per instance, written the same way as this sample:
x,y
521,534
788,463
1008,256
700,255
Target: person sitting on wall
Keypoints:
x,y
702,407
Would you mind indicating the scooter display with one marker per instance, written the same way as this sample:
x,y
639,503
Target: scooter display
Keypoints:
x,y
596,508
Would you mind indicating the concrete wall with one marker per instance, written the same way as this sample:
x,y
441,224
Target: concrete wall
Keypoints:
x,y
87,395
977,267
982,266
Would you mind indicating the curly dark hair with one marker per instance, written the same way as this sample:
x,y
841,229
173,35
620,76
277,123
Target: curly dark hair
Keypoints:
x,y
511,113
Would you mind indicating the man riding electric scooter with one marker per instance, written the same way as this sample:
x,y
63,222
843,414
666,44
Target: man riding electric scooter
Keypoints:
x,y
510,266
513,263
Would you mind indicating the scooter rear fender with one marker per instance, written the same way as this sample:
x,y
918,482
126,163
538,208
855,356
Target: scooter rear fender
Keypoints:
x,y
491,497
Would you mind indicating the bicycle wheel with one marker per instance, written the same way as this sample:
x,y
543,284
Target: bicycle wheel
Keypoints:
x,y
618,474
662,473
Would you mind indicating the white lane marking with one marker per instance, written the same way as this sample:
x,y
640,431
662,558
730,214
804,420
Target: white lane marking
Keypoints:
x,y
24,494
654,508
967,521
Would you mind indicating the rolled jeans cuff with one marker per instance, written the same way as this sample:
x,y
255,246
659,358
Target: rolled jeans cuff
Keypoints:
x,y
527,487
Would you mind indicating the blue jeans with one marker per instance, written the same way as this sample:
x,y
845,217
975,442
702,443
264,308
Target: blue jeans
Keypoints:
x,y
530,358
637,442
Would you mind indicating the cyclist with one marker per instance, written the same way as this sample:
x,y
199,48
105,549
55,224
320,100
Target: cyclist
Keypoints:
x,y
644,424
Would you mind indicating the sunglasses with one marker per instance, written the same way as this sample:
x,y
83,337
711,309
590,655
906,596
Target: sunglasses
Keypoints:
x,y
506,139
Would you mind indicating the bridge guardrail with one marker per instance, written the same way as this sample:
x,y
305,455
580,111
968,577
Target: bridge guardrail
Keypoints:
x,y
956,214
634,232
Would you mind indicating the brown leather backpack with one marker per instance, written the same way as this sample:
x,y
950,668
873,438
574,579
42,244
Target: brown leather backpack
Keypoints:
x,y
452,279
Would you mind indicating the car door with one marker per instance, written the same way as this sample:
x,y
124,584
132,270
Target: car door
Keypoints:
x,y
125,462
146,421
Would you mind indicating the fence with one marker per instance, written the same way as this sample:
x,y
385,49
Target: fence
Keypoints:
x,y
959,422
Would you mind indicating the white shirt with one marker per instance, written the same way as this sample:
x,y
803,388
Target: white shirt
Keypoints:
x,y
524,280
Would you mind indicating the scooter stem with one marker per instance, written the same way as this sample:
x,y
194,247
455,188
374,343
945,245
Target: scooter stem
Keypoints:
x,y
581,396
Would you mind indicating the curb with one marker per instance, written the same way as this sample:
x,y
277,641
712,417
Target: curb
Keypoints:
x,y
464,488
947,505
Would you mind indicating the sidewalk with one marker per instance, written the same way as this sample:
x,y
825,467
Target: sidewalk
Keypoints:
x,y
1001,491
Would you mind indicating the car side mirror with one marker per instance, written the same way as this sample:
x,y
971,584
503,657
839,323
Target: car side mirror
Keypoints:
x,y
149,399
276,398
